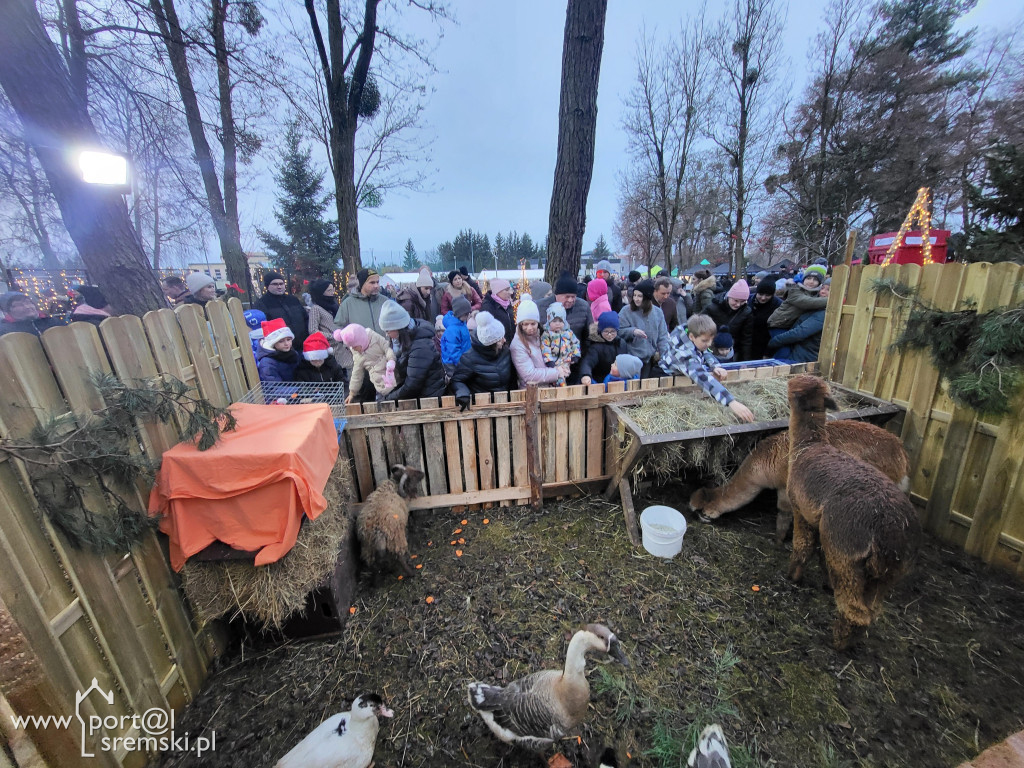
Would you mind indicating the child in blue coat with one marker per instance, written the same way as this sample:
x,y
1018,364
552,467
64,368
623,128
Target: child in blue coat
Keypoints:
x,y
276,360
456,339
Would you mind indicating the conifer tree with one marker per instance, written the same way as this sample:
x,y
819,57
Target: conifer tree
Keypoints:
x,y
411,262
310,244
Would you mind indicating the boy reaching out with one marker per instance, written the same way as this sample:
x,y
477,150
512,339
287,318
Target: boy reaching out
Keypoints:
x,y
689,355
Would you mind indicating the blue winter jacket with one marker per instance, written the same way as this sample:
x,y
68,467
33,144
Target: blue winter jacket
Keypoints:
x,y
455,340
277,366
800,344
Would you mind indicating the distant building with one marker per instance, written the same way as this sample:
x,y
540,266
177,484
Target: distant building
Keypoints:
x,y
219,272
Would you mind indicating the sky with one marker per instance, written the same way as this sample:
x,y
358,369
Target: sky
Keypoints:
x,y
493,119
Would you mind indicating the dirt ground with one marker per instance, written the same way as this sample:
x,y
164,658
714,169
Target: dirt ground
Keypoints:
x,y
937,679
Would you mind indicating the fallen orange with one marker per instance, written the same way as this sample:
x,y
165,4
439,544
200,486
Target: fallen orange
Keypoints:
x,y
420,565
756,588
458,553
465,522
430,599
352,609
486,521
462,541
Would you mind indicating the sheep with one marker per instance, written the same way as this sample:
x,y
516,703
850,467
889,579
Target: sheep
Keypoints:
x,y
868,528
382,521
767,467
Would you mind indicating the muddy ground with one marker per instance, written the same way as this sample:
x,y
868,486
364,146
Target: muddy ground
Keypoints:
x,y
937,679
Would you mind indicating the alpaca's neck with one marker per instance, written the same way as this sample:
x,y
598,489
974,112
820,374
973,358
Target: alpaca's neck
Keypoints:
x,y
806,427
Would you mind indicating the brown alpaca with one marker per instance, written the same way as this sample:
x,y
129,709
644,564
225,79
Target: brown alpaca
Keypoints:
x,y
382,521
767,467
868,528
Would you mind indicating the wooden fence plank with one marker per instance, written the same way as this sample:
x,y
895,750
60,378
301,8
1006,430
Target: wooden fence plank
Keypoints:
x,y
361,464
378,456
880,329
434,451
547,438
252,374
595,434
201,352
893,360
467,438
561,434
452,449
577,435
228,350
534,434
412,438
833,314
857,343
520,463
485,447
503,448
392,437
846,317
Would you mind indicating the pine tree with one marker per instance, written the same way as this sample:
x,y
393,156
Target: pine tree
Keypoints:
x,y
310,245
1000,206
601,250
411,262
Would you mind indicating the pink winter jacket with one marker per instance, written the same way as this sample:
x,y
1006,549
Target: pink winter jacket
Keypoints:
x,y
597,295
529,363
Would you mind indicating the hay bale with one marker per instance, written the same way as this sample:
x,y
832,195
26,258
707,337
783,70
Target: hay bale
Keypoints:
x,y
271,593
715,458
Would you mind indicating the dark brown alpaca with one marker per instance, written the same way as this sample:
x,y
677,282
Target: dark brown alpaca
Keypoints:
x,y
767,467
868,528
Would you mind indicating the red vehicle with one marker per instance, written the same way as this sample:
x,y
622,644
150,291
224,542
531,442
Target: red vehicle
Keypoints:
x,y
910,251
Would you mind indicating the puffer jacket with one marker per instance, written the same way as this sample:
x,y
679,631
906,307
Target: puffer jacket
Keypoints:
x,y
704,294
329,371
653,324
321,320
759,314
504,314
455,342
359,309
578,318
798,301
418,368
483,369
801,343
528,360
738,321
277,366
597,363
372,361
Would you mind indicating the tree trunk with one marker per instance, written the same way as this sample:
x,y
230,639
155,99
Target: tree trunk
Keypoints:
x,y
219,12
41,92
231,249
577,121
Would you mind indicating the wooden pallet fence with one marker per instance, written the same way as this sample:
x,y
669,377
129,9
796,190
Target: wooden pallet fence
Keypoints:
x,y
966,470
68,616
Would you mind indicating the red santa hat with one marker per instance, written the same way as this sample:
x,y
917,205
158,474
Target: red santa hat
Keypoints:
x,y
316,347
274,331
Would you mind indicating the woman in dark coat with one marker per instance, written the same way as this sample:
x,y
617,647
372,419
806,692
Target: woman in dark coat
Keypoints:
x,y
762,304
276,303
731,312
498,302
418,369
487,366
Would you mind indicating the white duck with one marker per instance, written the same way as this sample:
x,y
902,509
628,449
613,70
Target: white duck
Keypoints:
x,y
711,750
344,740
538,709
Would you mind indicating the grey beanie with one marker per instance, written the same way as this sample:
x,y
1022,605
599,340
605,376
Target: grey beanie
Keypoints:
x,y
539,289
393,317
629,366
461,306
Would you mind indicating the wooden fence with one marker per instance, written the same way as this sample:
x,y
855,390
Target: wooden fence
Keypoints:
x,y
69,616
967,472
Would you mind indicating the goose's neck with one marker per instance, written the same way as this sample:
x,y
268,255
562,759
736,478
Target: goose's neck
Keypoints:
x,y
576,656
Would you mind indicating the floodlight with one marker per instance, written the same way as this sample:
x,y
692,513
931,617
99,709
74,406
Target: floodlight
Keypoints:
x,y
107,169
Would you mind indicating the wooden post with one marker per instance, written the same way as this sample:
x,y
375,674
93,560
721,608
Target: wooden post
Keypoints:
x,y
851,244
532,420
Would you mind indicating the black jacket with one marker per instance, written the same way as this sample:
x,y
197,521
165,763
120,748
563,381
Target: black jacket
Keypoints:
x,y
759,314
290,310
329,371
597,363
418,368
500,313
35,325
739,322
484,369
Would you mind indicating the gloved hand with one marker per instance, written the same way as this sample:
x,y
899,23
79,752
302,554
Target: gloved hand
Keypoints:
x,y
462,402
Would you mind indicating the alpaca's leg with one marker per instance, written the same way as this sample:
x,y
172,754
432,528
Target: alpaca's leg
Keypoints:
x,y
803,546
784,517
850,583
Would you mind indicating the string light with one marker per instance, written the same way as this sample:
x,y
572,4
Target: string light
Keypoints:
x,y
920,211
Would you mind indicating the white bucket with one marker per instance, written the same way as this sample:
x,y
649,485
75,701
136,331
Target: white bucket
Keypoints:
x,y
663,529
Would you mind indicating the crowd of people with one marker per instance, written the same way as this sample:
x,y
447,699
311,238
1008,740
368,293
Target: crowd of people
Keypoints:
x,y
436,338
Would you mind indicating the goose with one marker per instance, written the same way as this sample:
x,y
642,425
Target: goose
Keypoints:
x,y
711,750
538,709
344,740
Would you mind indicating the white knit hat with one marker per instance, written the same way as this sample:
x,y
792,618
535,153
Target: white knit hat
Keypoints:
x,y
488,329
527,310
196,281
393,317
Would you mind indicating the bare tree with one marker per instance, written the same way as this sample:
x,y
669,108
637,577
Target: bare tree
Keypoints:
x,y
635,228
746,48
577,123
666,114
42,93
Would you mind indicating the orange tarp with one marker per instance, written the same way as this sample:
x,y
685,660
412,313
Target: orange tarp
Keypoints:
x,y
253,487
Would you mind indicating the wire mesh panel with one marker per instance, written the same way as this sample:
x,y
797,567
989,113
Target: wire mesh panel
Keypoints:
x,y
298,392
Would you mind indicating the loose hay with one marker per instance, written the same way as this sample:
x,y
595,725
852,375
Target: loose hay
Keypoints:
x,y
714,457
270,593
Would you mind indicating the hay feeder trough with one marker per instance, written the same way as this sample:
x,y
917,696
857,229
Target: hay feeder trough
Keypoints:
x,y
641,443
